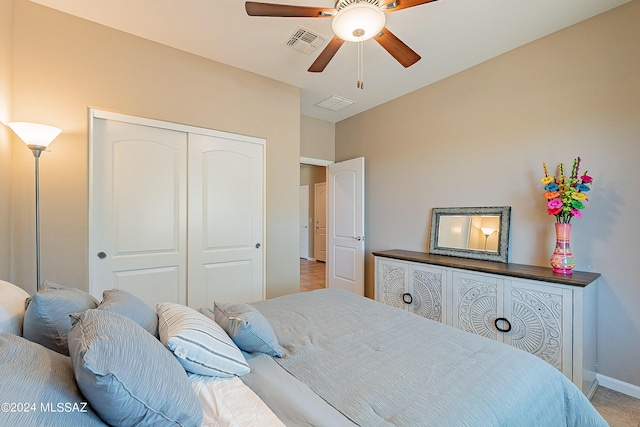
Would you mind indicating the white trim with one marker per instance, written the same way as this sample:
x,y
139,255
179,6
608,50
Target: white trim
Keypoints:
x,y
118,117
620,386
316,162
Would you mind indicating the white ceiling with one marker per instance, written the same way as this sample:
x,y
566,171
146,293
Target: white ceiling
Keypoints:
x,y
450,35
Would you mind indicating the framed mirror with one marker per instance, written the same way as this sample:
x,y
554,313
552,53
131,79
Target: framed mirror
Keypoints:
x,y
479,233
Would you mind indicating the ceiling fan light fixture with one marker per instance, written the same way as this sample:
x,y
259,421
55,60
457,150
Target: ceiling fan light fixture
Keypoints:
x,y
358,22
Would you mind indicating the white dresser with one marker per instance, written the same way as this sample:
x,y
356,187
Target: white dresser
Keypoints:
x,y
550,315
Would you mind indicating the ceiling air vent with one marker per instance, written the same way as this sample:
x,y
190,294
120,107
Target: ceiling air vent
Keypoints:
x,y
304,40
334,103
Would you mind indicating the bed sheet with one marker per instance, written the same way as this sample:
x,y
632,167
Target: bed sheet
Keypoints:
x,y
381,366
294,402
228,402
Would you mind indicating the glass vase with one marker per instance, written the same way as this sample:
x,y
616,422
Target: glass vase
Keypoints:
x,y
562,258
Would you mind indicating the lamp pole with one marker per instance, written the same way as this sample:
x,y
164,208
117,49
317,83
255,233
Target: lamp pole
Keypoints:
x,y
37,149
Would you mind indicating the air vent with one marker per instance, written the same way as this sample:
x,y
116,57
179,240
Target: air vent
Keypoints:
x,y
334,103
304,40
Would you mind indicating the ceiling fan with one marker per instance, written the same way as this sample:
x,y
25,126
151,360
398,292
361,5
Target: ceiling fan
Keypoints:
x,y
353,21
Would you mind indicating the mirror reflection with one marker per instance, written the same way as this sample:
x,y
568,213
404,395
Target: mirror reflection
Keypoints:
x,y
480,233
470,232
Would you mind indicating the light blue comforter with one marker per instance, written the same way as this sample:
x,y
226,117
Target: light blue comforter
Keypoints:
x,y
381,366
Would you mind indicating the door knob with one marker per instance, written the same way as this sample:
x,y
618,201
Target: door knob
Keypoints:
x,y
257,245
102,255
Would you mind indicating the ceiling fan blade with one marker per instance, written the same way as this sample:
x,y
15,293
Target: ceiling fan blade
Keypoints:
x,y
400,51
394,6
326,55
287,11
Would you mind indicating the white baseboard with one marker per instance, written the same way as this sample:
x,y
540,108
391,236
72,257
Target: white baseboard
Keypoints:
x,y
619,386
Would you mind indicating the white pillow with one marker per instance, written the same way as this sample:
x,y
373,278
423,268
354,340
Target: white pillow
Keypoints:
x,y
228,402
199,343
12,308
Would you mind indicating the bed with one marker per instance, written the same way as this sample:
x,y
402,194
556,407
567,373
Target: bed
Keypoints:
x,y
377,365
321,358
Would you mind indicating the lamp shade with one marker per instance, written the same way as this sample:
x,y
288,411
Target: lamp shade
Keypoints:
x,y
365,17
35,134
487,231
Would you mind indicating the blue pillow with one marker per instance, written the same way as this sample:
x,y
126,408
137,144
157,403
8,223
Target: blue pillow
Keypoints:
x,y
129,305
46,320
127,375
198,342
247,327
41,382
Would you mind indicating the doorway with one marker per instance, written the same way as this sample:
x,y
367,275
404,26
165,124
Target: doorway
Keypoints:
x,y
312,225
345,223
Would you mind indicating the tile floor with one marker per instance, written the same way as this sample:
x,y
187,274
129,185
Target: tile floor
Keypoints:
x,y
619,410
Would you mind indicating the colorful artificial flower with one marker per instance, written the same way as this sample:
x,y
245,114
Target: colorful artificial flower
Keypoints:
x,y
565,195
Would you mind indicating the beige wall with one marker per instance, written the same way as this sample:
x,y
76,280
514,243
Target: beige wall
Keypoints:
x,y
63,64
317,138
479,138
6,58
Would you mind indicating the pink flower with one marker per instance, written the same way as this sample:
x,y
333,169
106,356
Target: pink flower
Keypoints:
x,y
554,204
577,213
586,179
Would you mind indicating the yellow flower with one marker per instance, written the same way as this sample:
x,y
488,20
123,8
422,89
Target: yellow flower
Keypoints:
x,y
578,196
547,180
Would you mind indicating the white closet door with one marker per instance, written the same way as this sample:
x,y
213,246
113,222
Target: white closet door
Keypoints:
x,y
138,211
225,220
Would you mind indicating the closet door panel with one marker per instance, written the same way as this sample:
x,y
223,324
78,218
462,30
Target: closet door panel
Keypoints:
x,y
225,220
138,211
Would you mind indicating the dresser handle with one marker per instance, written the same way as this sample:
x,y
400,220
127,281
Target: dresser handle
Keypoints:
x,y
495,323
407,298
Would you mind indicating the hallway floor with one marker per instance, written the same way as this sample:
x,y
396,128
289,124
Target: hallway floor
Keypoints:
x,y
312,275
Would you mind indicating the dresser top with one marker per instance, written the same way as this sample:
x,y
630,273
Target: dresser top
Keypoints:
x,y
522,271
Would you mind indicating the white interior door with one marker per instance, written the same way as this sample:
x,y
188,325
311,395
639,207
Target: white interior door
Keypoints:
x,y
304,221
225,220
320,226
138,211
345,190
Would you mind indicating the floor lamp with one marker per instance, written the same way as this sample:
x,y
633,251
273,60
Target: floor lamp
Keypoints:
x,y
37,137
487,232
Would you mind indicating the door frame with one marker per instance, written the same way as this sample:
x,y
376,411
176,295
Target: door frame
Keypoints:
x,y
318,162
304,201
94,114
316,199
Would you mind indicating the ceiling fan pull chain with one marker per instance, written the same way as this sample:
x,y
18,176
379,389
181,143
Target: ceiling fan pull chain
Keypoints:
x,y
360,83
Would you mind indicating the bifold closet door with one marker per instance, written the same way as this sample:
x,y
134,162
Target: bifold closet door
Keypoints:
x,y
138,211
225,221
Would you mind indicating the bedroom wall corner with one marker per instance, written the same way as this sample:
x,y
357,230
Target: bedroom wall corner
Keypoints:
x,y
478,138
6,64
317,138
64,64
